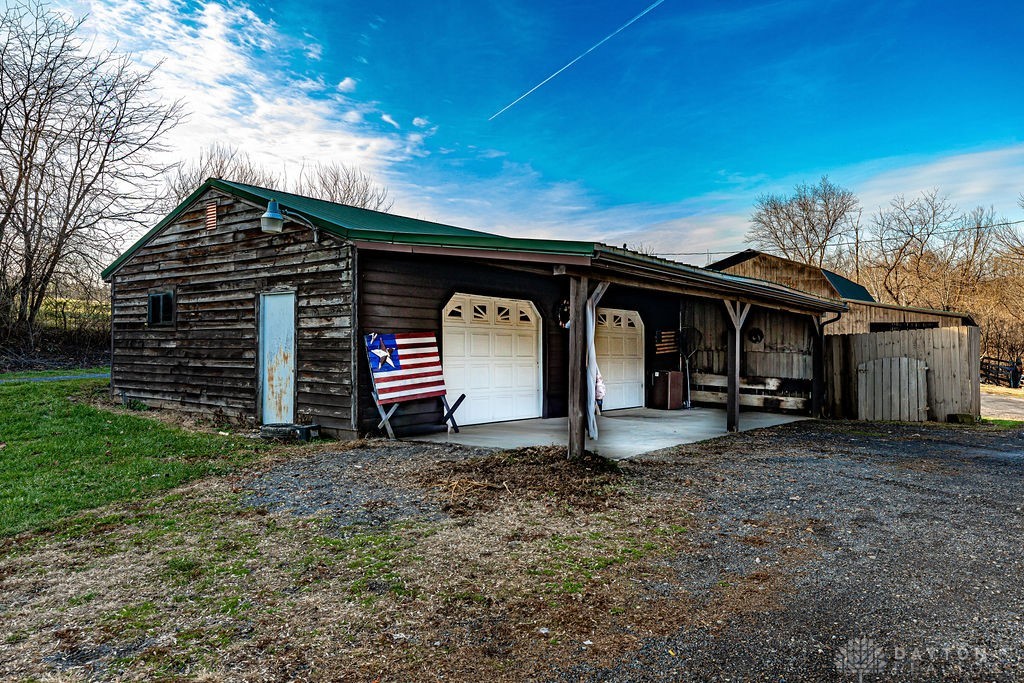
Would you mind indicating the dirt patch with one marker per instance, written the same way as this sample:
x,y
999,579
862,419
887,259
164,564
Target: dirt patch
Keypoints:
x,y
480,484
756,556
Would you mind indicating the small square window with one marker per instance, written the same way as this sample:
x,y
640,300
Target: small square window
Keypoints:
x,y
161,309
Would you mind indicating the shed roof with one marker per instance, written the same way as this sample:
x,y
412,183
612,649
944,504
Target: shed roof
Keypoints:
x,y
366,226
847,289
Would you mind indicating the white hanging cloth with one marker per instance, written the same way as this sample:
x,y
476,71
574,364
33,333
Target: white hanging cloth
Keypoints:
x,y
592,369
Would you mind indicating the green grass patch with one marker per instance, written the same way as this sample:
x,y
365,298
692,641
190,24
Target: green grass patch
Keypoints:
x,y
59,455
99,369
1000,423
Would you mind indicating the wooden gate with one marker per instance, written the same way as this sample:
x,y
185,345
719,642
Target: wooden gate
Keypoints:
x,y
892,389
951,355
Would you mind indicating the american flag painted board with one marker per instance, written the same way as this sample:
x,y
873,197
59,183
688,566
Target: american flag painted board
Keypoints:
x,y
404,366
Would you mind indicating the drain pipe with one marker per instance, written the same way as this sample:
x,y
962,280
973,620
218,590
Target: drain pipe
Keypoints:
x,y
819,396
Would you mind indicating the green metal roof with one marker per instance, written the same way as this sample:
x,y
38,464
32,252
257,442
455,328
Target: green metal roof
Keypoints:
x,y
352,223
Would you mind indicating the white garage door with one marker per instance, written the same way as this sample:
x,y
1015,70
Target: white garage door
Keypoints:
x,y
619,340
492,354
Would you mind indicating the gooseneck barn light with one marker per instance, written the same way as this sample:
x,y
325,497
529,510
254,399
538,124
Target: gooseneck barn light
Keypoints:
x,y
273,219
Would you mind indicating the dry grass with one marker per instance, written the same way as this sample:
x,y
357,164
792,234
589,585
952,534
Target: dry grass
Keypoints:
x,y
994,390
543,563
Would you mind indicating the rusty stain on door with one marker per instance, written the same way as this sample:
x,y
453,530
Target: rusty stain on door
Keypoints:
x,y
277,357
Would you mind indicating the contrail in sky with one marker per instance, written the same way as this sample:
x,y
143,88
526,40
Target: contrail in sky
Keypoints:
x,y
594,47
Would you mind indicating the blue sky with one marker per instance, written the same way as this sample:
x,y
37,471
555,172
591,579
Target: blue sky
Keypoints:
x,y
663,136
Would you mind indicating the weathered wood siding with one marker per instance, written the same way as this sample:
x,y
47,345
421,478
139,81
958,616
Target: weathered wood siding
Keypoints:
x,y
951,353
402,293
860,316
796,275
777,371
208,361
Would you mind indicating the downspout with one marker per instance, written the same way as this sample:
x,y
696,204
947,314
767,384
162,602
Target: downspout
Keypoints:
x,y
822,402
829,322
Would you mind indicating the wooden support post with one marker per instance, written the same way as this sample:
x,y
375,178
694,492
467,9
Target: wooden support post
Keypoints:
x,y
737,316
817,368
578,291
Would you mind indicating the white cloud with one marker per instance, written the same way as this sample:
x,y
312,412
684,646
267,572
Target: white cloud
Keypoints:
x,y
314,52
222,60
987,177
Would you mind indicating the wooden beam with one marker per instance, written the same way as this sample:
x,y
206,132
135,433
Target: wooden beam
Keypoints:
x,y
578,291
738,312
694,290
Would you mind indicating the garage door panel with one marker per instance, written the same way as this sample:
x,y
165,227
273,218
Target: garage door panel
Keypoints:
x,y
479,344
455,343
631,347
619,342
503,376
526,344
492,354
479,377
455,375
502,345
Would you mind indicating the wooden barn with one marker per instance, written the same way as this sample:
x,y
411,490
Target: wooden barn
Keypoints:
x,y
882,361
864,314
214,313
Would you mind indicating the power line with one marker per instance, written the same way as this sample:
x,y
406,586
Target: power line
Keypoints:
x,y
850,244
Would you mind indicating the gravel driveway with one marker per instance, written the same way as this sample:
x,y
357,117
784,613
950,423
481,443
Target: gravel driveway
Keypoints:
x,y
821,550
815,551
916,567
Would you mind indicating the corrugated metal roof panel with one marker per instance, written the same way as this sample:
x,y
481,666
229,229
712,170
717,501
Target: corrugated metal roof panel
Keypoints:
x,y
847,289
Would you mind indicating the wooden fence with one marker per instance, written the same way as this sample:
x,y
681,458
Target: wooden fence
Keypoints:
x,y
951,354
996,370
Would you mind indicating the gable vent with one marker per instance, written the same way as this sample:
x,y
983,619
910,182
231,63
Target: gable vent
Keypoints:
x,y
211,215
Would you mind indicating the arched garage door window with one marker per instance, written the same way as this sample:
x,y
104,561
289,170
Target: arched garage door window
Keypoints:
x,y
492,353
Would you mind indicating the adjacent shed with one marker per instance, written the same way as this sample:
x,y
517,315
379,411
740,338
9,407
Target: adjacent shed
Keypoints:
x,y
864,314
214,315
883,361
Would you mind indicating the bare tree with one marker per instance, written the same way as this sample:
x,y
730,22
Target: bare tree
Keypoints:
x,y
333,182
336,182
807,226
215,161
78,131
903,243
1010,237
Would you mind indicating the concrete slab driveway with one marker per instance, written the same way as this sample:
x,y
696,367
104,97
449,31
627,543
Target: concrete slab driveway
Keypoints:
x,y
622,433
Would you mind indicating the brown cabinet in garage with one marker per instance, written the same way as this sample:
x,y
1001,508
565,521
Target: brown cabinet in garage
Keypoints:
x,y
669,390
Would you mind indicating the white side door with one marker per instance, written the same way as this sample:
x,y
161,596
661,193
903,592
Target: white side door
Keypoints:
x,y
619,341
492,353
277,357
